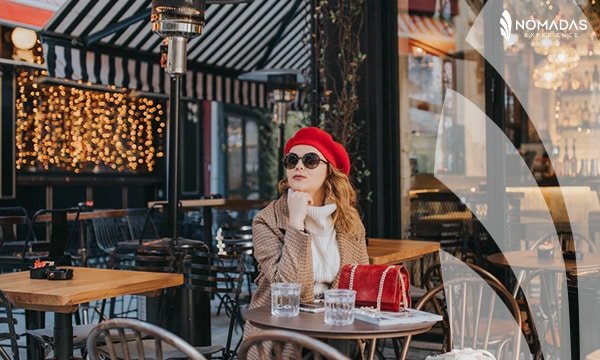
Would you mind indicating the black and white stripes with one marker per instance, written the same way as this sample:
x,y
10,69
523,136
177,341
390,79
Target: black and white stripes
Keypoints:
x,y
122,72
236,39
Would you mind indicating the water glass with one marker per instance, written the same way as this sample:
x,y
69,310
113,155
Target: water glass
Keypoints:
x,y
339,306
285,299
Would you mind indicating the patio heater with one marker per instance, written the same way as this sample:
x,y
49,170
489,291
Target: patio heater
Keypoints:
x,y
177,21
282,84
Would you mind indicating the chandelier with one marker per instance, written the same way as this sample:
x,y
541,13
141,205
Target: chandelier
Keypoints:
x,y
544,45
547,76
564,57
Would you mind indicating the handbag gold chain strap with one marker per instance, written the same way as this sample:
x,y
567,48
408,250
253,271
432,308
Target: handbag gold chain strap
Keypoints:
x,y
381,282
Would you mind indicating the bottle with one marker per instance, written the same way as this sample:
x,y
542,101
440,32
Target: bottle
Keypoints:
x,y
585,116
566,121
557,163
566,163
586,81
583,169
596,78
574,161
566,83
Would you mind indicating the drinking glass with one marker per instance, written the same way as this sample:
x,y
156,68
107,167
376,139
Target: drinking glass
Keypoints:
x,y
339,306
285,299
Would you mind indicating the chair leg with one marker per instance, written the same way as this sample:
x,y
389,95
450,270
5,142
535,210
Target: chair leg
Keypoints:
x,y
396,344
111,311
232,321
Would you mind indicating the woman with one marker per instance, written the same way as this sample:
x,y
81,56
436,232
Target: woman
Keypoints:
x,y
313,229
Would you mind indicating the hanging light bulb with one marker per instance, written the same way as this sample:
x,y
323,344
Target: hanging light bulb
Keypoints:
x,y
547,76
544,45
564,57
23,39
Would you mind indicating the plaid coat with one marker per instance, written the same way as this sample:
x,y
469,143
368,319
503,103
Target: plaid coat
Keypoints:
x,y
284,254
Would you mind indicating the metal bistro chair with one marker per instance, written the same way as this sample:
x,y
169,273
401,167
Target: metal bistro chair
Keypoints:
x,y
239,241
113,339
10,335
206,273
14,227
109,232
569,241
147,258
154,258
61,233
442,217
142,224
280,339
220,275
470,314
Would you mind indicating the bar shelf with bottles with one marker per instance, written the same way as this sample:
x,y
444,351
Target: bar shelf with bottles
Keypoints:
x,y
567,162
577,107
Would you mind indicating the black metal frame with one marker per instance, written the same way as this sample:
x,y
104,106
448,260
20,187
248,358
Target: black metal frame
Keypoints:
x,y
221,275
379,94
11,334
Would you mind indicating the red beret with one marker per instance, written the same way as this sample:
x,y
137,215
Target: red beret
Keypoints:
x,y
334,152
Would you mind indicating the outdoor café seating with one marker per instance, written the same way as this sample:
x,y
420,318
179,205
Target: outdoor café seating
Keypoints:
x,y
473,328
289,341
9,334
110,339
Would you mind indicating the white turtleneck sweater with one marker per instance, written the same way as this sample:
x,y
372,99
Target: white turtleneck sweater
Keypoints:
x,y
325,252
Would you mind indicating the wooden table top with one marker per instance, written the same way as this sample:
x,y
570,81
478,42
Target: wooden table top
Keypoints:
x,y
223,203
88,284
314,325
87,215
529,260
392,251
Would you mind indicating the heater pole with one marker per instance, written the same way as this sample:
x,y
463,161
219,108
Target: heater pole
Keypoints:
x,y
173,163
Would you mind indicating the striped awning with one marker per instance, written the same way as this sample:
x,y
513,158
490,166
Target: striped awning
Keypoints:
x,y
261,34
432,33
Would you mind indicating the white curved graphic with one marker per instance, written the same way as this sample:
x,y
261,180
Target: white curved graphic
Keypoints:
x,y
506,25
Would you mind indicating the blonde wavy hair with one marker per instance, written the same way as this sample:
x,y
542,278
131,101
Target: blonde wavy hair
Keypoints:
x,y
340,191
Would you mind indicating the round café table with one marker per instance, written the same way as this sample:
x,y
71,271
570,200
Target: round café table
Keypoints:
x,y
527,261
314,325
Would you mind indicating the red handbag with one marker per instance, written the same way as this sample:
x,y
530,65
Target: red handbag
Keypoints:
x,y
383,287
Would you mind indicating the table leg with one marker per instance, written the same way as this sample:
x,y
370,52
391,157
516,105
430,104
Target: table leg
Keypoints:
x,y
372,345
34,320
207,219
83,244
63,335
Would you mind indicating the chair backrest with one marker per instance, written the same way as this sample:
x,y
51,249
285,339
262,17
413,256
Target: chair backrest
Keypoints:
x,y
276,341
142,224
10,335
113,336
62,232
471,315
109,232
213,273
433,274
156,258
568,241
14,223
221,275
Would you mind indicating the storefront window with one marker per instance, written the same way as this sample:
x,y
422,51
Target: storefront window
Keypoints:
x,y
435,64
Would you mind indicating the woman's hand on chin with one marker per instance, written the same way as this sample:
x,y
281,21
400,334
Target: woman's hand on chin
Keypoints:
x,y
298,203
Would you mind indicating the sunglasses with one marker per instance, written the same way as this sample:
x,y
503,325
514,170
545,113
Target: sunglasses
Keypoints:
x,y
310,160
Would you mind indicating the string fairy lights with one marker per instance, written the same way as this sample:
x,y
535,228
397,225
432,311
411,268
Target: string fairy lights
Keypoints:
x,y
70,129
